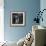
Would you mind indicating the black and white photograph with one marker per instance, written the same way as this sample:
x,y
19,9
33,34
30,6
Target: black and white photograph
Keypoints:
x,y
17,18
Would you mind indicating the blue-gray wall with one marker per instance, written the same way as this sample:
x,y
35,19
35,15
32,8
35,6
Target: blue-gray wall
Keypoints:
x,y
30,7
43,6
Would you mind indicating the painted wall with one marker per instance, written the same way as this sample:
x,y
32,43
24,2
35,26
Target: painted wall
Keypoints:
x,y
30,7
43,6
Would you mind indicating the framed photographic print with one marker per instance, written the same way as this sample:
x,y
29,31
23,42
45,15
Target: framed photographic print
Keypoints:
x,y
17,18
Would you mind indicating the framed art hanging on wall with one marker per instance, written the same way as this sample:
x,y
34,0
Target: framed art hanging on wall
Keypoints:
x,y
17,18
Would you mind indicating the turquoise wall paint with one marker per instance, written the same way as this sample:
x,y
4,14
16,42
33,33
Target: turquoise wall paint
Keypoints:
x,y
30,7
